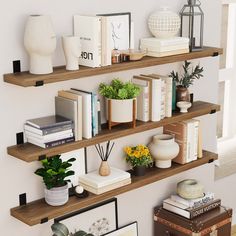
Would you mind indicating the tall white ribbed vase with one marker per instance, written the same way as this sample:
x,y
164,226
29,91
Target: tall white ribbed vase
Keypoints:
x,y
40,43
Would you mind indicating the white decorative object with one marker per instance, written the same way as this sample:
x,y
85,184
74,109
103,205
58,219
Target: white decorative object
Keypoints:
x,y
40,43
57,196
190,189
184,106
121,110
164,23
72,51
163,149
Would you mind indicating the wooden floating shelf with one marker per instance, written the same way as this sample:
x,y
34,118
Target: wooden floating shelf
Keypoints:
x,y
29,152
38,211
25,79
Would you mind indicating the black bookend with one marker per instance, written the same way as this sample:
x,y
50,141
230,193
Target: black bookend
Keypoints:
x,y
22,199
16,66
19,138
39,83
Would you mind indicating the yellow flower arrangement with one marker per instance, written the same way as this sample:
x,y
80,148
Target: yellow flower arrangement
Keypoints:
x,y
138,155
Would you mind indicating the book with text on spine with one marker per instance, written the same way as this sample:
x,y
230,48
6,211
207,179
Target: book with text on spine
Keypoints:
x,y
88,28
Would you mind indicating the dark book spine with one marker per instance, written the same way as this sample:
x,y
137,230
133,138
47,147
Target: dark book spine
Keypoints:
x,y
205,208
56,129
59,142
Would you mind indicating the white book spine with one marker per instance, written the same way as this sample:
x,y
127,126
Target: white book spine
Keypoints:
x,y
168,98
196,136
163,98
176,210
189,142
143,104
156,99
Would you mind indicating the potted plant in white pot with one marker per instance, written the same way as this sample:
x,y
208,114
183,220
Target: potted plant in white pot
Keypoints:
x,y
54,173
121,97
185,80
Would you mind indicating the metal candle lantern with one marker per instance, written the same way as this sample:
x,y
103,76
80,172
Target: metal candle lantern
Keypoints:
x,y
192,20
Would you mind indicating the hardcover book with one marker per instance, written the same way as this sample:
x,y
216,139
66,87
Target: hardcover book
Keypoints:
x,y
88,28
155,42
49,122
169,53
190,213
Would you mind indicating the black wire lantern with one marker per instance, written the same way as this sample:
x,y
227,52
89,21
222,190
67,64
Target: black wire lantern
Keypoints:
x,y
192,21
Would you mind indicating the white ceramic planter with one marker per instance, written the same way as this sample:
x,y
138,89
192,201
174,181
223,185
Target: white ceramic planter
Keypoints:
x,y
40,43
57,196
121,110
163,149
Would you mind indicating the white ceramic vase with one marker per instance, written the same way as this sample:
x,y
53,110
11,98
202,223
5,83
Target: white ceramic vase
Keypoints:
x,y
57,196
163,149
40,43
164,23
72,51
121,110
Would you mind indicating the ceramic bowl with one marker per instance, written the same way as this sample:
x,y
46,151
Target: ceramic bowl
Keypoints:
x,y
184,106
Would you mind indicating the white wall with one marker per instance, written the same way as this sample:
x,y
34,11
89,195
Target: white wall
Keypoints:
x,y
18,104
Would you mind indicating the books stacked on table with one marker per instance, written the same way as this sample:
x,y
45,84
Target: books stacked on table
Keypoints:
x,y
156,47
97,184
49,131
189,137
191,208
155,100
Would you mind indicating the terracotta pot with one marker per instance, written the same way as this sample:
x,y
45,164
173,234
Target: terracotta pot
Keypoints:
x,y
104,169
182,94
139,170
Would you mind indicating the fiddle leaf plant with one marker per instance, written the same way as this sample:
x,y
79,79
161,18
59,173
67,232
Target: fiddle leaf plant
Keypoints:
x,y
119,90
54,171
189,75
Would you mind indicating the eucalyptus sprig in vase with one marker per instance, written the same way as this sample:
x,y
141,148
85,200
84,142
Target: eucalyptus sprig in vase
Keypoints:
x,y
139,157
184,81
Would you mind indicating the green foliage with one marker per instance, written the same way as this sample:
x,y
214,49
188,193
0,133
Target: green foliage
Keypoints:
x,y
54,171
187,78
119,90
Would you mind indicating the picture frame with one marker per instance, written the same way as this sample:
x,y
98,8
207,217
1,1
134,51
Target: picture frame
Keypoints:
x,y
97,219
127,230
120,25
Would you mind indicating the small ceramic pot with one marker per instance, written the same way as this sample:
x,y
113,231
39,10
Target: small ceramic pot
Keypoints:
x,y
57,196
104,169
184,106
190,189
182,94
163,149
139,170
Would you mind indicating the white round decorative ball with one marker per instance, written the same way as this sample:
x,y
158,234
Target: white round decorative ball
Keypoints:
x,y
79,189
164,23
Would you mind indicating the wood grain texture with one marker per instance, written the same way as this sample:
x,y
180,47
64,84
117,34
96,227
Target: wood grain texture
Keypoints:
x,y
25,79
29,152
34,212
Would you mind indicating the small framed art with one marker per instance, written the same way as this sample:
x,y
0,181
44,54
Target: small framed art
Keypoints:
x,y
120,29
97,220
127,230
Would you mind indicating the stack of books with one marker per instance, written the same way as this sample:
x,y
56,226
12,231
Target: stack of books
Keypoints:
x,y
189,137
97,184
155,100
49,131
191,208
156,47
83,108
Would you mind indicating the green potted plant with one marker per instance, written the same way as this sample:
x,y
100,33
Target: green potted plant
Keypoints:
x,y
121,96
185,80
139,157
54,172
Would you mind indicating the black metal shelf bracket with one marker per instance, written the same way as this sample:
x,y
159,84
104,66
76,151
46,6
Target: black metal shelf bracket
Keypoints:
x,y
42,157
210,161
213,111
22,199
44,220
215,54
19,138
39,83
